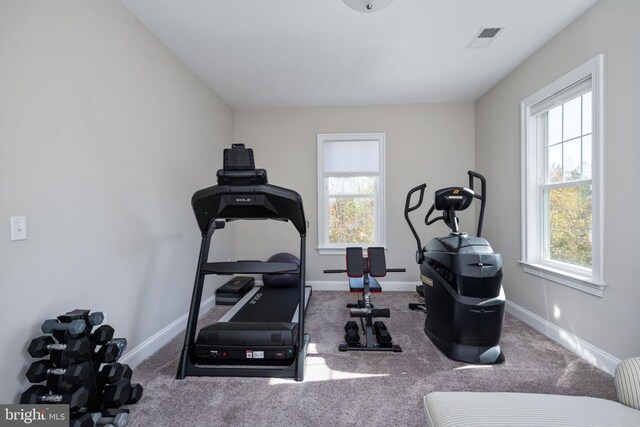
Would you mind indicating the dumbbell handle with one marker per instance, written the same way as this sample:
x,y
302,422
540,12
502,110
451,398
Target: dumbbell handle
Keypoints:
x,y
56,346
75,326
51,398
57,371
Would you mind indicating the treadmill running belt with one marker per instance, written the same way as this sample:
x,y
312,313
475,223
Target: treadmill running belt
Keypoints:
x,y
269,305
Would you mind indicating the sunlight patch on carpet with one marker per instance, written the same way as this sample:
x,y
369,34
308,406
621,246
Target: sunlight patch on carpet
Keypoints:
x,y
317,370
459,368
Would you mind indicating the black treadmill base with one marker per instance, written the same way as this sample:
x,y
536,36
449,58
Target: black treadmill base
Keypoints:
x,y
192,367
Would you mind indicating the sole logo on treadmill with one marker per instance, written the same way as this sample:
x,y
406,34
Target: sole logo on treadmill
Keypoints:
x,y
255,299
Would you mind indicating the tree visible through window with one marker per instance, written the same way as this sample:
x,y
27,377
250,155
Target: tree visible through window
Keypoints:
x,y
567,191
352,210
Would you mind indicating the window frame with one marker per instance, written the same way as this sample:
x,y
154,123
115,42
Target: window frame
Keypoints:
x,y
324,247
533,169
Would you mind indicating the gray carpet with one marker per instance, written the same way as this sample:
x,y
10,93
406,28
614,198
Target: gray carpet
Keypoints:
x,y
358,388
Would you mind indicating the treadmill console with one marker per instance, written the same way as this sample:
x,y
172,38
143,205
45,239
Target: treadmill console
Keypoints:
x,y
239,168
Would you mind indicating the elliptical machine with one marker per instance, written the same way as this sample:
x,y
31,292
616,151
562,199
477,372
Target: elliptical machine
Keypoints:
x,y
461,279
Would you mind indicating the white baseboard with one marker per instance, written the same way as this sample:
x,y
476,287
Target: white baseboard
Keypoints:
x,y
152,344
343,285
585,350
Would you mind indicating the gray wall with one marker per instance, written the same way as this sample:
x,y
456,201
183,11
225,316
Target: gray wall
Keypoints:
x,y
611,323
104,136
433,143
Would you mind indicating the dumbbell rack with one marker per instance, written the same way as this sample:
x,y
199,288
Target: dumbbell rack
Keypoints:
x,y
82,370
361,271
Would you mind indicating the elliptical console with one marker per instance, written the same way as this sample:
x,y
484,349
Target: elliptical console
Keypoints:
x,y
461,279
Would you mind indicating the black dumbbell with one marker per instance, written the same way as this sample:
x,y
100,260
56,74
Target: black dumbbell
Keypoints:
x,y
111,351
382,335
136,394
75,398
112,372
352,336
117,393
41,346
102,335
75,327
81,419
117,420
96,318
73,374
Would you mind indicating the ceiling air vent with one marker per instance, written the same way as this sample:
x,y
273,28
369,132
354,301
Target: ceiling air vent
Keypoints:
x,y
484,37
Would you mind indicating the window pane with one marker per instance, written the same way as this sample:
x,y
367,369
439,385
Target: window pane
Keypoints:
x,y
353,185
571,119
554,164
571,160
554,125
586,157
351,220
586,113
570,225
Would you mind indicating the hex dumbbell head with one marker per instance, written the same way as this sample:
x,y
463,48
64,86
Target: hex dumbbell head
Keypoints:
x,y
78,373
96,318
351,325
39,347
37,372
33,395
77,347
102,335
111,351
116,394
76,398
75,327
81,419
117,420
136,394
112,372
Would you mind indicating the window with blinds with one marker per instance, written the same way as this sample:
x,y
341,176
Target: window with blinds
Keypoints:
x,y
350,191
562,180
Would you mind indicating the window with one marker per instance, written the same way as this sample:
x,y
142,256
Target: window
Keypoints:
x,y
562,180
350,191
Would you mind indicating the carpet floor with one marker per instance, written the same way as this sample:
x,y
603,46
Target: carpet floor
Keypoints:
x,y
358,388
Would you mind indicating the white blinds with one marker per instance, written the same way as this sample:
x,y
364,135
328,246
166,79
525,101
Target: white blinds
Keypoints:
x,y
351,156
576,89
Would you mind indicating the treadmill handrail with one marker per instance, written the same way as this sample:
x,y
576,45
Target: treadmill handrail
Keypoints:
x,y
251,267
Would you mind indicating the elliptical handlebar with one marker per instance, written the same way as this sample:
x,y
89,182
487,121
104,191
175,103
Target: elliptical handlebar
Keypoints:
x,y
448,216
482,197
408,208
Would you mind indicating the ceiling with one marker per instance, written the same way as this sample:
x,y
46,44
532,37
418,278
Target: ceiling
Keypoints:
x,y
292,53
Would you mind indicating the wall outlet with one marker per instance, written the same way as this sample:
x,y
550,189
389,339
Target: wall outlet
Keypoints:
x,y
18,228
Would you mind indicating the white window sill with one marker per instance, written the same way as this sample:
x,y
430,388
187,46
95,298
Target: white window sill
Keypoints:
x,y
339,250
581,283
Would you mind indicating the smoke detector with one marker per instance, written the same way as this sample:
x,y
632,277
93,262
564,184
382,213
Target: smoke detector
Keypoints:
x,y
484,37
367,6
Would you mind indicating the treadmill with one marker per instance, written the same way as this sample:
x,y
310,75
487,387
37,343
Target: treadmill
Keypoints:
x,y
263,334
